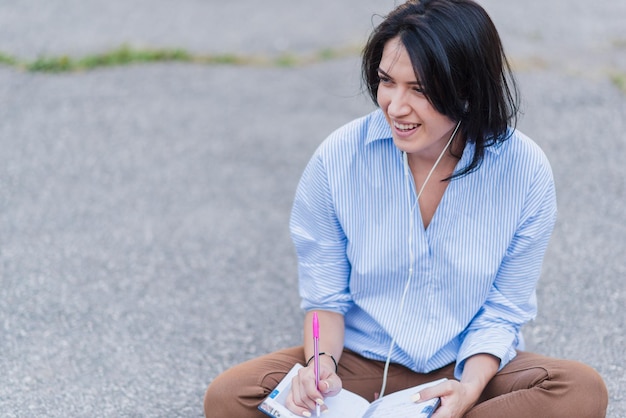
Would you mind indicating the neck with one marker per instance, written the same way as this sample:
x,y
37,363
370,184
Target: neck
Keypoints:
x,y
444,162
420,163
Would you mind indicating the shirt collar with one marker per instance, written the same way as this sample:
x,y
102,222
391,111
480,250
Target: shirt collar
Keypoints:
x,y
379,129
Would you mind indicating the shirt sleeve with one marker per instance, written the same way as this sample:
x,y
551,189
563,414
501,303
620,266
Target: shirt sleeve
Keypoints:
x,y
512,300
320,243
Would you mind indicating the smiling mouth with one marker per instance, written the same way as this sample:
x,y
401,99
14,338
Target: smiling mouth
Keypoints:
x,y
405,127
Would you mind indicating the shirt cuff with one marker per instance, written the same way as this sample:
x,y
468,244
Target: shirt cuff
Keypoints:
x,y
498,342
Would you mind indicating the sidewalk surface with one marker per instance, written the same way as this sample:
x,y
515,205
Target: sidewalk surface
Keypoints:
x,y
144,244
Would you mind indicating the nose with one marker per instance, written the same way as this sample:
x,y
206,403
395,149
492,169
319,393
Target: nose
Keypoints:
x,y
398,103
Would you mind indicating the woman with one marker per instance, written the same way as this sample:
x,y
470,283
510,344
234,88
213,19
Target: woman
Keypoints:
x,y
420,231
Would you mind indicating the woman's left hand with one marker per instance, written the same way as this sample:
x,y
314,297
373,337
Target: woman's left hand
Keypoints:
x,y
456,398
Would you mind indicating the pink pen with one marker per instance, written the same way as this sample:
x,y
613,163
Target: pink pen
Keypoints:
x,y
316,355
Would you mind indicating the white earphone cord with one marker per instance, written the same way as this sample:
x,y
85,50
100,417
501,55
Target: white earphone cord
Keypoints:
x,y
411,254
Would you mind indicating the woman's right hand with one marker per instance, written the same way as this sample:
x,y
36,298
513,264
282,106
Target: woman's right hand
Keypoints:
x,y
304,396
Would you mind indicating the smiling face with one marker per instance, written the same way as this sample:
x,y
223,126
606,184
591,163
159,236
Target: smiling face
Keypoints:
x,y
417,128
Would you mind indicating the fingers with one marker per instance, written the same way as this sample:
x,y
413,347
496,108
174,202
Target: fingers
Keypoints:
x,y
453,400
305,396
437,391
331,385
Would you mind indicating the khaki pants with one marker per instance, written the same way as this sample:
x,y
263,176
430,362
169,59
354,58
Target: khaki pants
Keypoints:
x,y
531,385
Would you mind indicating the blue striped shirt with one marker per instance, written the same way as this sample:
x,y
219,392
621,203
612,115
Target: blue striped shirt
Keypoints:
x,y
476,265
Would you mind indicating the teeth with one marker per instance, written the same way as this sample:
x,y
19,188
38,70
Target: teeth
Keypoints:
x,y
405,127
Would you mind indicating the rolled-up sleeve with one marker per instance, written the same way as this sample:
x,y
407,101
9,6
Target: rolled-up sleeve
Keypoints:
x,y
320,243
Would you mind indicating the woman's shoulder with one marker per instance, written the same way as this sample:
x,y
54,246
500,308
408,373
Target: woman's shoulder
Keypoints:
x,y
521,149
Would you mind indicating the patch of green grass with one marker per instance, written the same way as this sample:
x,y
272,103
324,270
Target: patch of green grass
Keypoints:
x,y
224,59
327,54
51,65
120,56
287,60
619,79
7,60
126,55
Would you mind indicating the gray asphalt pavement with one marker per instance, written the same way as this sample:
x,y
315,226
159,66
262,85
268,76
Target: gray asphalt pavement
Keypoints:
x,y
144,244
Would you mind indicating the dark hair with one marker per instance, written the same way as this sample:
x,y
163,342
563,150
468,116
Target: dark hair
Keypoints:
x,y
458,59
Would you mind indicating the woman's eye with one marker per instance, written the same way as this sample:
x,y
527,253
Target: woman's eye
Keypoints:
x,y
384,79
419,90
